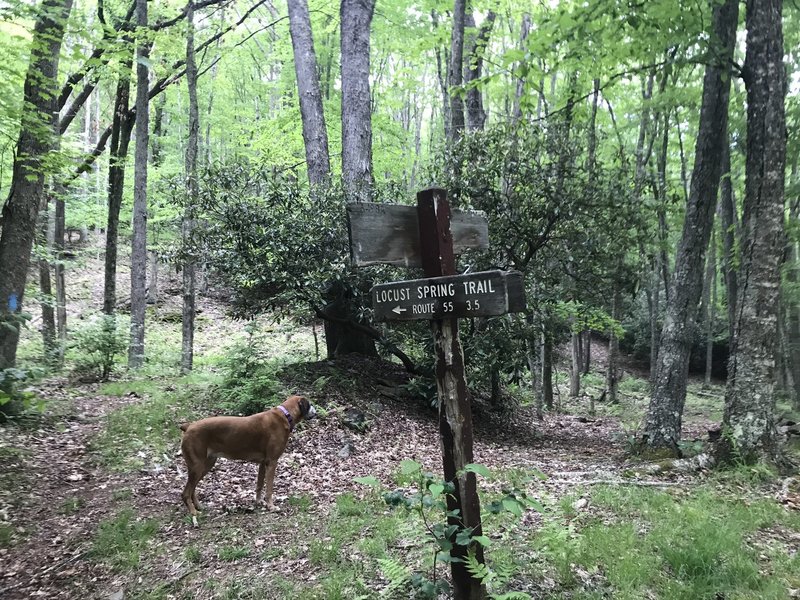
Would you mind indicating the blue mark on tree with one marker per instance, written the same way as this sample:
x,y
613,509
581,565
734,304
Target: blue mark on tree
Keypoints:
x,y
12,302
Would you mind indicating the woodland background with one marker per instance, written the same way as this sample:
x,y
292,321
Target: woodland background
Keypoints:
x,y
636,161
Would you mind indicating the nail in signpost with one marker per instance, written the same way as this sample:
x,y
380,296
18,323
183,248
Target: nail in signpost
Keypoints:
x,y
442,298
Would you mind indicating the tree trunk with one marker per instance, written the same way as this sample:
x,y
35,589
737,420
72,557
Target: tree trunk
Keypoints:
x,y
315,133
476,116
36,140
121,129
187,348
61,284
525,28
48,314
356,18
612,376
152,288
728,221
455,72
139,229
709,301
664,416
575,365
749,398
547,370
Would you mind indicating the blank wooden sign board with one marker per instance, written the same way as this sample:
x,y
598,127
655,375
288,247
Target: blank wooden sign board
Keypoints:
x,y
388,234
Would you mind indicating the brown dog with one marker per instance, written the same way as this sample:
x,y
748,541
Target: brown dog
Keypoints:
x,y
259,438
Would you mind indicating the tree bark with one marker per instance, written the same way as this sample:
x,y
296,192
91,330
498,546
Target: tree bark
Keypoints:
x,y
187,347
121,129
516,114
749,398
728,222
709,302
663,421
547,370
315,133
476,115
60,280
575,365
356,19
139,230
45,288
455,71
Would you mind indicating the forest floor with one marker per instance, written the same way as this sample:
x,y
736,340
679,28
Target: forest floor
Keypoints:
x,y
90,506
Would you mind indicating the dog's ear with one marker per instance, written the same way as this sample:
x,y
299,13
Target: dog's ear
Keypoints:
x,y
305,405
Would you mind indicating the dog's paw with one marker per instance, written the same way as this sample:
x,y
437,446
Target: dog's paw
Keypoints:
x,y
272,508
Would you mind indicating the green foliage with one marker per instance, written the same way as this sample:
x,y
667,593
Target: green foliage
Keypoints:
x,y
120,541
430,499
250,384
692,546
142,434
399,576
14,398
97,346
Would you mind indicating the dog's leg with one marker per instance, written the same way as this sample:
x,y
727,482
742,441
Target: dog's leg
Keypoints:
x,y
270,479
210,462
189,493
262,469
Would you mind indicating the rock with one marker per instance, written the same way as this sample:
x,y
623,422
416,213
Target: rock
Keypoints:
x,y
345,451
355,419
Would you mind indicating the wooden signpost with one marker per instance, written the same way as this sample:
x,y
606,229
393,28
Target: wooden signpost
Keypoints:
x,y
384,234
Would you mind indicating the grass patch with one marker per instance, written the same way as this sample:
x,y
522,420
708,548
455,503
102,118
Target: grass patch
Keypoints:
x,y
121,541
143,434
233,553
71,505
6,535
691,547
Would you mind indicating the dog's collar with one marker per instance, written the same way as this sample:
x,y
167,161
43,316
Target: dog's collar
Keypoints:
x,y
288,416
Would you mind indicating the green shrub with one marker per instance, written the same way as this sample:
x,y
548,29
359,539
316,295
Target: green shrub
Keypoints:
x,y
14,400
98,346
250,382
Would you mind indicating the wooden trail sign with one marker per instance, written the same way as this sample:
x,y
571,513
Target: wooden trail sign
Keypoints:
x,y
483,294
429,236
389,233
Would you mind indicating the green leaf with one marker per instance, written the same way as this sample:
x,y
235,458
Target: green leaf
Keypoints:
x,y
479,469
407,467
482,540
369,480
512,506
436,489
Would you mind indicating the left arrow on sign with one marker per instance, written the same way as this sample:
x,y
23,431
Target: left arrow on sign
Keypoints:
x,y
397,310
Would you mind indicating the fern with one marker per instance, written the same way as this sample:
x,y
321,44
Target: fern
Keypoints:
x,y
512,596
399,576
476,569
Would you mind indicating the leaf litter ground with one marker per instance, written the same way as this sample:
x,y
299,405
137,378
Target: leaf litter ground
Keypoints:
x,y
55,493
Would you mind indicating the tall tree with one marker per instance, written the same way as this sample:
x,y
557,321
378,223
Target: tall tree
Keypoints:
x,y
139,230
664,415
356,20
749,397
476,115
315,134
455,75
187,352
33,153
121,128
